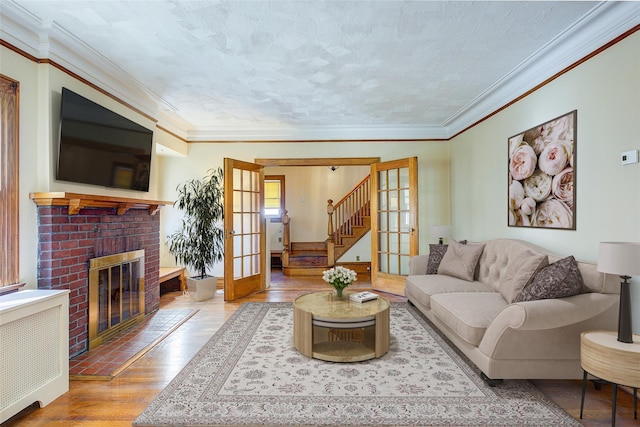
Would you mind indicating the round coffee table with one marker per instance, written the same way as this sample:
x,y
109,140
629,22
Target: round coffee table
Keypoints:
x,y
339,330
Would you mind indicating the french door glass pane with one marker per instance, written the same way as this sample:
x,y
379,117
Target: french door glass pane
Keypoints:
x,y
237,179
237,201
404,265
394,243
246,180
237,245
404,178
393,178
237,268
394,227
382,180
246,268
246,223
404,200
394,267
404,243
383,221
384,242
256,244
256,264
384,265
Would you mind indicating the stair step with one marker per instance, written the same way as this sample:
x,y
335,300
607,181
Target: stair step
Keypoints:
x,y
298,253
308,261
308,246
303,271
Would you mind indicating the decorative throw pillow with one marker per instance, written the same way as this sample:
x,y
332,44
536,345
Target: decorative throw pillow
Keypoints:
x,y
461,260
558,280
436,252
519,273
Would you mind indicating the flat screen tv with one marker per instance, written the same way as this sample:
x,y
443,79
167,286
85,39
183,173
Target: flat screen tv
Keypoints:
x,y
100,147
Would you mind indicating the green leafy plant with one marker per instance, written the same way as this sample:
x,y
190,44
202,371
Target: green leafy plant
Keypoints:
x,y
200,241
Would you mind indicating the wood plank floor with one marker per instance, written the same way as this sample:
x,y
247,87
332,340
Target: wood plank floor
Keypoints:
x,y
118,402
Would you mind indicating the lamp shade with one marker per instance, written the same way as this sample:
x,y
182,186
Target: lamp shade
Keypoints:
x,y
621,258
440,231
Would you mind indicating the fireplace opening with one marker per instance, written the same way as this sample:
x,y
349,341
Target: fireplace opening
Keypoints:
x,y
116,294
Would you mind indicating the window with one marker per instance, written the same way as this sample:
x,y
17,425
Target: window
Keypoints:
x,y
9,254
274,197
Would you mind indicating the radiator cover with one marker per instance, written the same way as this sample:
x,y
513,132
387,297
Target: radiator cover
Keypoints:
x,y
34,349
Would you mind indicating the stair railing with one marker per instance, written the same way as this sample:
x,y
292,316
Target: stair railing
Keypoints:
x,y
286,238
348,212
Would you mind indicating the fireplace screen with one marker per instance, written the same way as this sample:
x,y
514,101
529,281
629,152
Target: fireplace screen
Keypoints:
x,y
116,294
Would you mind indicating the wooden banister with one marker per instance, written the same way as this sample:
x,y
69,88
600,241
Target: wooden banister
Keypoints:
x,y
286,238
349,212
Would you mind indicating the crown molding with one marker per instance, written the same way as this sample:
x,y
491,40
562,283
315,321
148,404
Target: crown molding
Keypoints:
x,y
48,41
600,26
319,133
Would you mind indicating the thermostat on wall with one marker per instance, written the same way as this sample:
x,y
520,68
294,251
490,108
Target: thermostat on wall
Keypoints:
x,y
629,157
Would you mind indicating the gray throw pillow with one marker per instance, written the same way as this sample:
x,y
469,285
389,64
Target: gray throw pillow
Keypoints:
x,y
461,260
558,280
436,252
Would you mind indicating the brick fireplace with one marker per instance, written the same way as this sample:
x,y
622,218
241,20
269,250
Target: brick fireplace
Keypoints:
x,y
74,228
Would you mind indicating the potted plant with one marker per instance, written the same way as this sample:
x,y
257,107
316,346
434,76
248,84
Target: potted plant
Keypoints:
x,y
199,243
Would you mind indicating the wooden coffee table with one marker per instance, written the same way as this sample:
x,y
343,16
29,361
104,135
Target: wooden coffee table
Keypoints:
x,y
338,330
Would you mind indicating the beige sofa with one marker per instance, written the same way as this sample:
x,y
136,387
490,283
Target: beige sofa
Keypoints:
x,y
528,340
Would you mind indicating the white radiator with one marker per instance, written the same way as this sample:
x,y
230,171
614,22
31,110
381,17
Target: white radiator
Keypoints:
x,y
34,349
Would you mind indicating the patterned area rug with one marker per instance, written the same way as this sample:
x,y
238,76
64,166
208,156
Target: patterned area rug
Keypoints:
x,y
250,373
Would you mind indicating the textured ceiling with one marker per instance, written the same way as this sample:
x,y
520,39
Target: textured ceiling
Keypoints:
x,y
264,69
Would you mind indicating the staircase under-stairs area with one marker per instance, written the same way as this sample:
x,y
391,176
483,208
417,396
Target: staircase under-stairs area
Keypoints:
x,y
349,220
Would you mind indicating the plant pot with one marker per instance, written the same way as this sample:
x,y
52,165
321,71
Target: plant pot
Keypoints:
x,y
202,289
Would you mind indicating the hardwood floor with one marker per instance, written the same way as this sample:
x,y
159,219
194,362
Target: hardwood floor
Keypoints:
x,y
118,402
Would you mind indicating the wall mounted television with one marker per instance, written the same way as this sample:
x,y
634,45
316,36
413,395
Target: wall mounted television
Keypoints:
x,y
100,147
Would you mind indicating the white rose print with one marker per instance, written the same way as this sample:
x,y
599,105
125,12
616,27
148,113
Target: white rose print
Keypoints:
x,y
541,177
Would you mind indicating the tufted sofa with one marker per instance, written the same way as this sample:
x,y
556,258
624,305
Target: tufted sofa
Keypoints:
x,y
538,339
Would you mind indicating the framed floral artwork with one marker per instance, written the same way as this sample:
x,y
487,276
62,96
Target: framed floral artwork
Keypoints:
x,y
542,191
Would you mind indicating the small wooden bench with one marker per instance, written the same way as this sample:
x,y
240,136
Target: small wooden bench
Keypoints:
x,y
168,273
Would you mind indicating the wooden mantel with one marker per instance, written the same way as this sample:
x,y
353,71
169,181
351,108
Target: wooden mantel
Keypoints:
x,y
75,202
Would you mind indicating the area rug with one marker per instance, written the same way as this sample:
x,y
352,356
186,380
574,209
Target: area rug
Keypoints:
x,y
249,373
110,358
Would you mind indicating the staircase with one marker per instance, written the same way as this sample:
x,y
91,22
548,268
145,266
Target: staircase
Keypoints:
x,y
349,220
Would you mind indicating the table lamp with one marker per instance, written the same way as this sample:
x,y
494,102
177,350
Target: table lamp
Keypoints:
x,y
623,259
440,231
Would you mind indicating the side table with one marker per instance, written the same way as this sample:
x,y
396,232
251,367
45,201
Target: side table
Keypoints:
x,y
604,357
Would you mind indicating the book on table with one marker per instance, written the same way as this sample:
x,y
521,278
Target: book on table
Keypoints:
x,y
363,296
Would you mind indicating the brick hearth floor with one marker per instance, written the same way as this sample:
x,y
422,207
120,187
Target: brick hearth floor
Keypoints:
x,y
113,356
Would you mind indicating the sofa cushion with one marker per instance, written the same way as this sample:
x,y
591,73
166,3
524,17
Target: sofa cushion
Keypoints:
x,y
422,287
557,280
436,252
468,314
519,273
461,260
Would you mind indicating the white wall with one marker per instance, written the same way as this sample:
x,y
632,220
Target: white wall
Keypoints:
x,y
605,91
433,164
39,109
